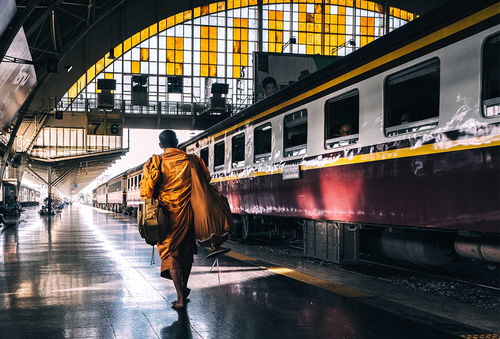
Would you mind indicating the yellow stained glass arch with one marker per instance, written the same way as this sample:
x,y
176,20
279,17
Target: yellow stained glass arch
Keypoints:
x,y
320,26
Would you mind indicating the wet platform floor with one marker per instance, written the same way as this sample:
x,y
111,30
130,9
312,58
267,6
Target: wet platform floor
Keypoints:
x,y
87,274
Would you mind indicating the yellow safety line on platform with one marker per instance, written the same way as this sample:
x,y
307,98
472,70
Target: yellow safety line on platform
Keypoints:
x,y
239,256
306,278
481,336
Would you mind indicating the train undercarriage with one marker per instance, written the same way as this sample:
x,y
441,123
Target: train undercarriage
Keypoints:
x,y
117,208
343,242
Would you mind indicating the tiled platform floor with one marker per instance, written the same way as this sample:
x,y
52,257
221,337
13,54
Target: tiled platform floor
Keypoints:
x,y
87,274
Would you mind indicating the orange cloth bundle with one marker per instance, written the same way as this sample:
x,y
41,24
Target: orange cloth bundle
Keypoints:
x,y
212,215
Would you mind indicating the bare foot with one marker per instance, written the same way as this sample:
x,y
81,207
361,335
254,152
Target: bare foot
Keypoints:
x,y
177,305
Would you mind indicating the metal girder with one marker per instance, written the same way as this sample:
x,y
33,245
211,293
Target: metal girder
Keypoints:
x,y
61,177
41,18
42,50
87,29
72,15
53,31
16,24
34,173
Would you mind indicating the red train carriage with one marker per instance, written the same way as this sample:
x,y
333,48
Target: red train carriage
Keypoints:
x,y
398,139
101,196
133,199
116,193
120,193
28,196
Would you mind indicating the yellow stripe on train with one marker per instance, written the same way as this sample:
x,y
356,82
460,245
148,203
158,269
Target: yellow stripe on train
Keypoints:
x,y
451,146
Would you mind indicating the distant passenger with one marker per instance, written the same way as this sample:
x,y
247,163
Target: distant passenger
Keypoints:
x,y
270,86
173,182
345,130
303,74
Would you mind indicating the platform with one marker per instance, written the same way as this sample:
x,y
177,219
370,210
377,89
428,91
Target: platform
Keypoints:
x,y
87,274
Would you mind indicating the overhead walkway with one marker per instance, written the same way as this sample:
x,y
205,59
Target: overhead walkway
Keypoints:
x,y
154,115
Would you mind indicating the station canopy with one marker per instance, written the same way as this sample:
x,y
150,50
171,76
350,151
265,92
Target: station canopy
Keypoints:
x,y
151,64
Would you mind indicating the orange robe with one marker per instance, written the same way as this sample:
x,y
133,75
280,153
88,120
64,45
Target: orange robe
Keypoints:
x,y
173,184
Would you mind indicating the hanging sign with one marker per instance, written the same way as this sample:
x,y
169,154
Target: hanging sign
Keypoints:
x,y
103,125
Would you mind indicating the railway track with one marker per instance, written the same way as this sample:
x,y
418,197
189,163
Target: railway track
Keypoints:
x,y
415,271
431,275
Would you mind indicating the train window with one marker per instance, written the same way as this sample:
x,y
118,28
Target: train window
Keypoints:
x,y
262,142
295,133
204,155
238,150
219,153
115,187
342,120
490,92
412,99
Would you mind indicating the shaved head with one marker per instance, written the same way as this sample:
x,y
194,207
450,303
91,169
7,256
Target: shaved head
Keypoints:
x,y
168,139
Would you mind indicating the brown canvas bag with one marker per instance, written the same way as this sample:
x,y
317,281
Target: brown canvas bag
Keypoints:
x,y
149,227
152,218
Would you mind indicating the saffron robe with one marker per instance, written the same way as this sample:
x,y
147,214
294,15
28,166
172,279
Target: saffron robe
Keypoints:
x,y
169,177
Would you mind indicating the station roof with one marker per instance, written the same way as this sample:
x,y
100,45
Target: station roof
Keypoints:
x,y
77,33
71,174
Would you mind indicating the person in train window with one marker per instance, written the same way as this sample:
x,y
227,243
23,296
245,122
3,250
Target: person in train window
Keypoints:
x,y
169,176
270,86
345,130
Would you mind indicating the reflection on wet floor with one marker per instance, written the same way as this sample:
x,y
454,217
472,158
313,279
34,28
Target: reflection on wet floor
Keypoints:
x,y
87,274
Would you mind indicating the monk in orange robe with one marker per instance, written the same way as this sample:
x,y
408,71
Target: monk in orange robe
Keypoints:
x,y
168,177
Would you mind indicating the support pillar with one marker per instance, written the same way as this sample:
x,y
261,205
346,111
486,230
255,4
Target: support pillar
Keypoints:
x,y
49,189
387,17
260,13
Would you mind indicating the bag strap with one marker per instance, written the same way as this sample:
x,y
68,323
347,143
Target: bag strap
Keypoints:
x,y
156,189
152,261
